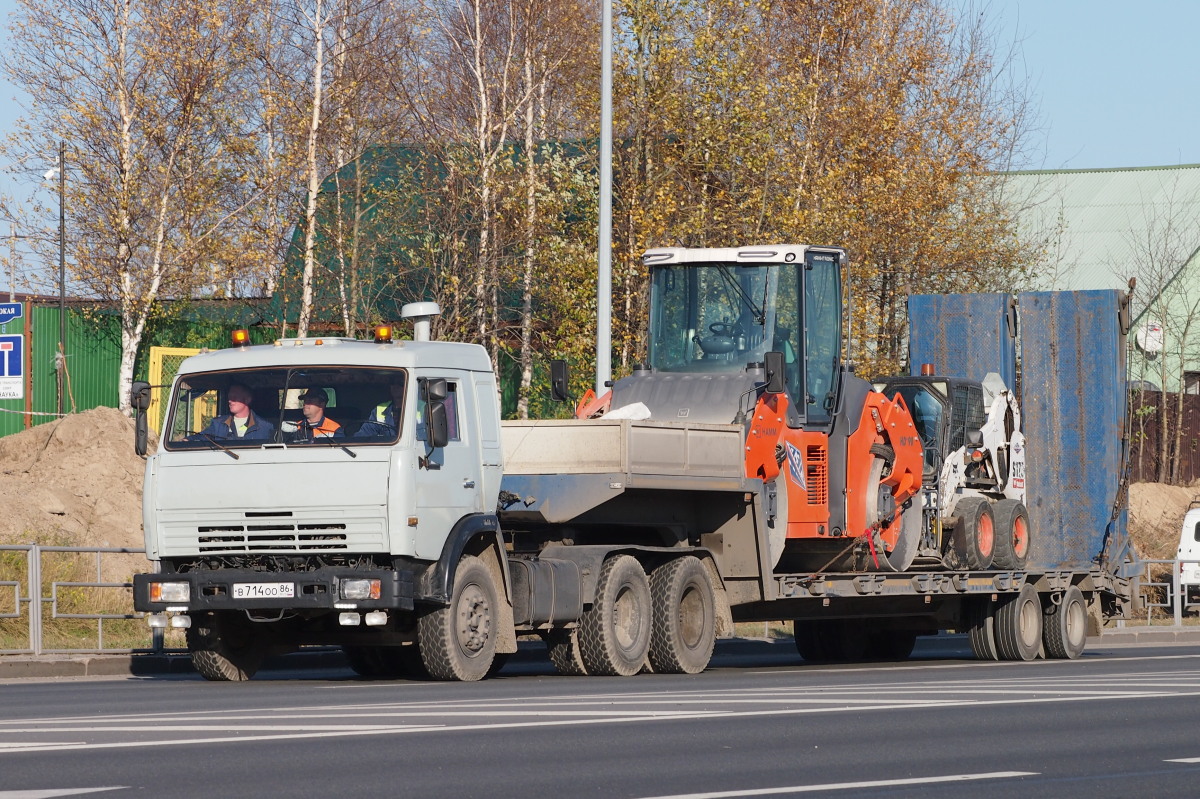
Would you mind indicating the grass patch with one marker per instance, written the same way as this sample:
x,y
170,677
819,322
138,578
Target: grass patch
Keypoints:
x,y
76,612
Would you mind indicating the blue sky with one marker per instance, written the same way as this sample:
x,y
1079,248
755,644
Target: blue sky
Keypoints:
x,y
1114,82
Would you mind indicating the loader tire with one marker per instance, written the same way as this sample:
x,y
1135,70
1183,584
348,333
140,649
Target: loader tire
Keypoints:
x,y
614,633
1064,625
458,641
975,534
685,617
224,647
1012,534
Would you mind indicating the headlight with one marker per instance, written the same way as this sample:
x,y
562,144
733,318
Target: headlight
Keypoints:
x,y
170,592
360,589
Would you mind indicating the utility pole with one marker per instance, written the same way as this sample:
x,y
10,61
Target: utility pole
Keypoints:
x,y
60,358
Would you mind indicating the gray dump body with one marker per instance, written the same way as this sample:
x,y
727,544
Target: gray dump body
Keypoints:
x,y
557,471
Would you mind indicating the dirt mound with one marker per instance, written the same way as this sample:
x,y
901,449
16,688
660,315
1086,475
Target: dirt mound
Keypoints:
x,y
1156,514
74,482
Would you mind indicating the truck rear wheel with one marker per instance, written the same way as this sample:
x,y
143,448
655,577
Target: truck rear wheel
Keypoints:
x,y
1064,625
563,648
975,533
224,647
1018,625
458,641
1012,534
981,630
614,633
685,617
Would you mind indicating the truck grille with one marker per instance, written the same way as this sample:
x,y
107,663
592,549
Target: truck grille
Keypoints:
x,y
271,537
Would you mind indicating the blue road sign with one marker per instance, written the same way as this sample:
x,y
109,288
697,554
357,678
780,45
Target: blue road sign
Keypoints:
x,y
10,311
12,354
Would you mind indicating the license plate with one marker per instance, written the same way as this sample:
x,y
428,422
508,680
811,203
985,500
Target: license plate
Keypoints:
x,y
264,590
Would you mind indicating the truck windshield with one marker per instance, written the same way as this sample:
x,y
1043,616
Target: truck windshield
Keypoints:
x,y
311,405
712,317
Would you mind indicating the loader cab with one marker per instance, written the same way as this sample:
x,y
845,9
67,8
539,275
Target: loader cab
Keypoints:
x,y
948,413
715,313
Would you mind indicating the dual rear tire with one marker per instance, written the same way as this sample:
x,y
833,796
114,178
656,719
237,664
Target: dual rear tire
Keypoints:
x,y
1022,627
664,622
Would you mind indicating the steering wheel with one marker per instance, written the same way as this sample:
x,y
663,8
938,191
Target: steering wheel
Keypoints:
x,y
721,329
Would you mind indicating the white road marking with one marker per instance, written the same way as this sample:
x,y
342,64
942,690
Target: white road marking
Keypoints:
x,y
1184,760
844,786
628,707
50,793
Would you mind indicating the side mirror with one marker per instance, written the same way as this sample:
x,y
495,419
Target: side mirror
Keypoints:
x,y
140,434
975,438
139,395
776,378
438,425
558,381
139,400
435,389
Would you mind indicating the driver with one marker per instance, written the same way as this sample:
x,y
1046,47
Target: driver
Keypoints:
x,y
241,421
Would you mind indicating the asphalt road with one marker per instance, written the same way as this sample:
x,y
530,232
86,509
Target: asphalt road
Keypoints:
x,y
1121,721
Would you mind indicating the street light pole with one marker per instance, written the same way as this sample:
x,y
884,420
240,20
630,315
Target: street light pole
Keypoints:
x,y
604,276
60,358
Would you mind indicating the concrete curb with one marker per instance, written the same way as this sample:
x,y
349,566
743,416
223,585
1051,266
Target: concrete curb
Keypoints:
x,y
137,665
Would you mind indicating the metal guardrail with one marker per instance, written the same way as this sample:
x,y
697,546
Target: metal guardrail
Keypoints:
x,y
43,603
1157,595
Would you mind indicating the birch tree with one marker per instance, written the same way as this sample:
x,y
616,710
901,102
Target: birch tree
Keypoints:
x,y
135,90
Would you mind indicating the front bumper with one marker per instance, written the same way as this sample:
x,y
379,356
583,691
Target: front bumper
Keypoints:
x,y
315,590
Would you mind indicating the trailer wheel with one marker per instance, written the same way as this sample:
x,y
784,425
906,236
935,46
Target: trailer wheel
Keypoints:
x,y
812,639
975,533
563,648
614,633
1064,625
685,617
458,641
1018,625
981,630
1012,534
891,644
225,648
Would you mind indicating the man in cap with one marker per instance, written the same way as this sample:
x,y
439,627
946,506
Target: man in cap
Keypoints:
x,y
315,424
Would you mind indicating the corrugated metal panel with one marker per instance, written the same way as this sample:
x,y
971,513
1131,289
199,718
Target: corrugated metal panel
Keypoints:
x,y
1096,218
93,361
1073,415
962,335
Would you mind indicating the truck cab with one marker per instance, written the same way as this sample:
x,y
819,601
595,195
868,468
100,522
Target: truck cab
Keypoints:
x,y
330,506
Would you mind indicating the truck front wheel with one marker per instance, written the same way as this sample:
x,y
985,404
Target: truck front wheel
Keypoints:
x,y
685,617
614,633
458,641
224,647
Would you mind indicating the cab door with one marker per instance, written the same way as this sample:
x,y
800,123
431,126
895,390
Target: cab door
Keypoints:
x,y
448,478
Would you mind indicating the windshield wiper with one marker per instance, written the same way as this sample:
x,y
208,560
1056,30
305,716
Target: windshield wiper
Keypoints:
x,y
759,317
218,445
332,442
